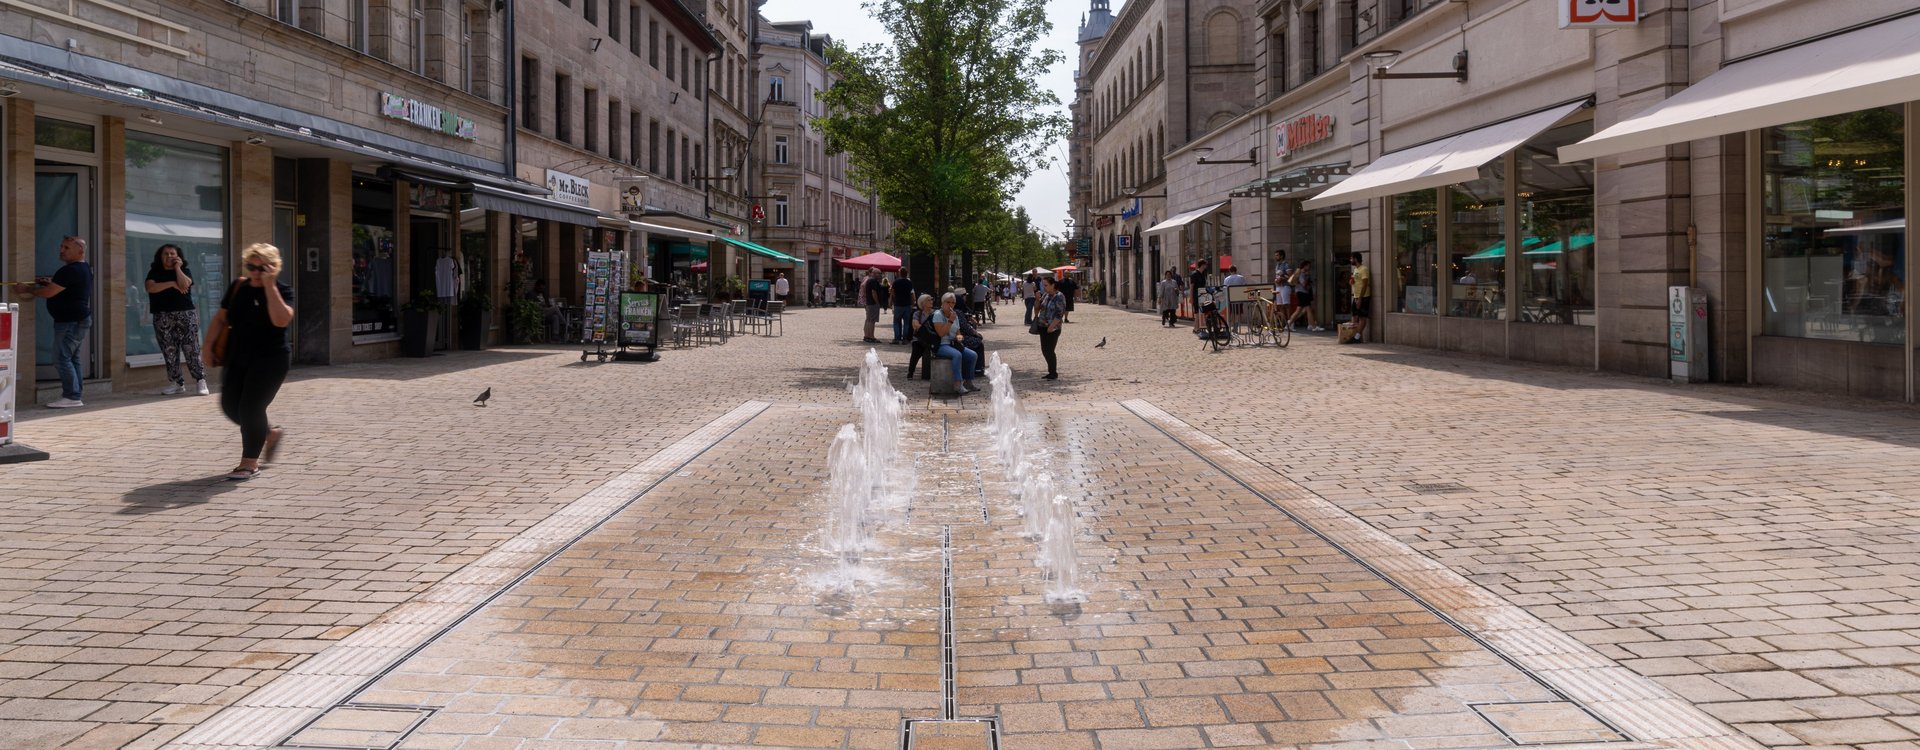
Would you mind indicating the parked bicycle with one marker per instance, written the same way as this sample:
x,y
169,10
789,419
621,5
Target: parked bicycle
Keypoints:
x,y
1265,326
1214,330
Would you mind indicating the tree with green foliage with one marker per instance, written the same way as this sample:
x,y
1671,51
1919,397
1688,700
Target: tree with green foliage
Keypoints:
x,y
944,124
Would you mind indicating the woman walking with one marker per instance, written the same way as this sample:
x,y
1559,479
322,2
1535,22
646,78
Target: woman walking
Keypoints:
x,y
254,315
1048,312
946,322
1303,297
176,325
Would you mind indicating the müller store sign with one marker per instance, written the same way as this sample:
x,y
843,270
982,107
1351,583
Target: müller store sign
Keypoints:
x,y
1300,133
427,116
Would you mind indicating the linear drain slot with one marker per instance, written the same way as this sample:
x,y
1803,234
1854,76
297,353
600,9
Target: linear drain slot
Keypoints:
x,y
1546,722
363,726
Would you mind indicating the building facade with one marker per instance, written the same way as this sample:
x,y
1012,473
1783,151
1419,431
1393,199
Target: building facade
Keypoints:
x,y
812,210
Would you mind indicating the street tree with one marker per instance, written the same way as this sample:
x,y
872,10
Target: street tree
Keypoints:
x,y
946,121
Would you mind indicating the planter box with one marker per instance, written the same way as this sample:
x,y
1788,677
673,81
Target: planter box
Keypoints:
x,y
416,333
473,330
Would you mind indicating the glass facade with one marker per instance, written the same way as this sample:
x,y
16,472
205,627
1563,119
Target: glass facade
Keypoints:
x,y
1477,245
1556,230
1416,236
1834,227
176,194
376,311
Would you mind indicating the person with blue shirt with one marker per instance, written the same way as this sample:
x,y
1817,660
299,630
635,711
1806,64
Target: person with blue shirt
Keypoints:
x,y
69,296
946,323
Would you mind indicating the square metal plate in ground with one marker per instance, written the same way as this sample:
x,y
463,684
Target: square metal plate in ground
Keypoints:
x,y
978,733
364,727
1438,488
1547,722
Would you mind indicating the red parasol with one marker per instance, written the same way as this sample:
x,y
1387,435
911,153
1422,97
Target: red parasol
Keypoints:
x,y
882,261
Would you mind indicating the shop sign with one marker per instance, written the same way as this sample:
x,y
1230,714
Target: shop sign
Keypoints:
x,y
1124,241
427,116
1300,133
633,193
1598,14
1130,211
569,189
1083,246
428,198
1103,222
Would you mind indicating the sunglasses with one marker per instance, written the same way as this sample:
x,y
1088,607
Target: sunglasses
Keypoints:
x,y
251,268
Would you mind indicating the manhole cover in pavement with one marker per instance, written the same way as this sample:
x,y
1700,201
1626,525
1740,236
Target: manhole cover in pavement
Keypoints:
x,y
359,728
1546,722
1439,488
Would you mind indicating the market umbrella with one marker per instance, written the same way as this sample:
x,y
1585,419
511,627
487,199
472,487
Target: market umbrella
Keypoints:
x,y
700,267
882,261
1066,268
1040,271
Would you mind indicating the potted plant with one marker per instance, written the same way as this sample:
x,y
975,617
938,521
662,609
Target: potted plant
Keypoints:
x,y
476,316
420,317
729,288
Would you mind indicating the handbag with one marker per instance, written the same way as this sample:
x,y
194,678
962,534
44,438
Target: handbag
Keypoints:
x,y
1036,328
217,339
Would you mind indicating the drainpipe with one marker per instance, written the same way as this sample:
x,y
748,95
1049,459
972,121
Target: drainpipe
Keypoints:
x,y
511,142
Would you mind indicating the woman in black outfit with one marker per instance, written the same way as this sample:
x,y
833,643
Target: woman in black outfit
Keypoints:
x,y
922,336
258,309
1050,310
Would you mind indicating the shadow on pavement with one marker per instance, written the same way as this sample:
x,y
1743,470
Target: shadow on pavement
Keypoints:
x,y
185,493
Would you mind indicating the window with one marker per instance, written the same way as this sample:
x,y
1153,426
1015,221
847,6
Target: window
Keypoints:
x,y
1309,44
669,149
591,9
1349,26
776,88
653,43
469,61
590,119
563,107
1477,244
780,149
1556,230
779,212
284,11
613,20
653,146
530,94
417,34
633,28
672,42
1223,38
357,25
635,134
686,68
1401,10
700,160
173,184
1833,194
686,160
1415,235
614,115
700,81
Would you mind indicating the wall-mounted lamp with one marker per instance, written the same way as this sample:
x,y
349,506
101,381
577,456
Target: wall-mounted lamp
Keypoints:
x,y
726,173
149,117
1382,61
1134,192
1253,156
254,140
673,98
594,46
7,90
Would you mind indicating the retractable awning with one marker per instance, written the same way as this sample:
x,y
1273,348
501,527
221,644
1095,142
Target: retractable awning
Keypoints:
x,y
762,250
521,204
1177,221
1865,68
1440,163
667,231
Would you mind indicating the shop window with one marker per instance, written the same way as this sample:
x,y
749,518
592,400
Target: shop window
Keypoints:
x,y
375,303
176,195
1415,239
1835,227
1556,229
1477,245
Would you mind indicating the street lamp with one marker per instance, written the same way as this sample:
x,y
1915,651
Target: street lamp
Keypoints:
x,y
726,173
1253,156
1134,192
1382,60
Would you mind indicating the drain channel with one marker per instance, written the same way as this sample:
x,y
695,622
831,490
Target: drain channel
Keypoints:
x,y
948,703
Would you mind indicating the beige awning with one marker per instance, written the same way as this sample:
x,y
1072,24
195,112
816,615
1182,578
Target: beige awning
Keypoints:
x,y
1443,162
1861,69
1179,220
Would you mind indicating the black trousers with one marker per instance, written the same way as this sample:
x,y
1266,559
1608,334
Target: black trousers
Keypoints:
x,y
247,386
1048,341
920,355
1166,317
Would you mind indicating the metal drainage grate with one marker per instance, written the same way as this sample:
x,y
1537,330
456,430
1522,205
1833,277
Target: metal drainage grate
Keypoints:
x,y
363,726
1439,488
971,733
1547,722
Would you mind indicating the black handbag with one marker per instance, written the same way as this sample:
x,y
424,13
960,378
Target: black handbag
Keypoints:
x,y
1037,328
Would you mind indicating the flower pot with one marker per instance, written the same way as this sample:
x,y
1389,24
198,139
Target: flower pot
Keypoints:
x,y
473,329
416,333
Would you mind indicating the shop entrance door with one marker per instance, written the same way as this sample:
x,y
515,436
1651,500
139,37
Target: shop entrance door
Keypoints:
x,y
428,240
1332,237
62,206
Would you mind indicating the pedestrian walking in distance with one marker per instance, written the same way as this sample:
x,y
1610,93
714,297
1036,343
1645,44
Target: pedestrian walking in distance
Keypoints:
x,y
69,296
1168,293
252,324
873,294
176,324
1048,313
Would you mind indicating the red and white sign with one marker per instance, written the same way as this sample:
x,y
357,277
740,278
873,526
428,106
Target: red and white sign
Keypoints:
x,y
1598,14
9,369
1300,133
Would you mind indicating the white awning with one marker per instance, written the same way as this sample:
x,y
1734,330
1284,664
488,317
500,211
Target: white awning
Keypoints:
x,y
1861,69
1177,221
1443,162
685,234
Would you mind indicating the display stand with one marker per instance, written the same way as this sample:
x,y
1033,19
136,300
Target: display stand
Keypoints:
x,y
11,452
603,272
639,330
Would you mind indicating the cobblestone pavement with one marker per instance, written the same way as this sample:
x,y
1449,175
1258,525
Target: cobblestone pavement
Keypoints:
x,y
1752,551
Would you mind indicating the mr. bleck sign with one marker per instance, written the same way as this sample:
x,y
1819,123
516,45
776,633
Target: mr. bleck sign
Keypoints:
x,y
569,189
1300,133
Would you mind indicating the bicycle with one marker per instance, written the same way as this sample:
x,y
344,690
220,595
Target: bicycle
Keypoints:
x,y
1215,330
1266,326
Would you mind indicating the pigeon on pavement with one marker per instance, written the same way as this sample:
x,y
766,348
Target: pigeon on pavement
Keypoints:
x,y
481,400
1102,344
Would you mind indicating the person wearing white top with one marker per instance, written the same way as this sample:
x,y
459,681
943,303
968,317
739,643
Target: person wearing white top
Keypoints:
x,y
1028,289
781,287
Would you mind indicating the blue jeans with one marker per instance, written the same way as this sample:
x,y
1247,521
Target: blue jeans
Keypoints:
x,y
1029,319
902,322
66,355
963,361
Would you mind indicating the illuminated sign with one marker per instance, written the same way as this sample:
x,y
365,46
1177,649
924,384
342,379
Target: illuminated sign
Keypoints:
x,y
1598,14
1300,133
427,116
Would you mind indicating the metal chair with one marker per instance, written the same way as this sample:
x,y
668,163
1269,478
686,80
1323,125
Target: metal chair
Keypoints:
x,y
775,317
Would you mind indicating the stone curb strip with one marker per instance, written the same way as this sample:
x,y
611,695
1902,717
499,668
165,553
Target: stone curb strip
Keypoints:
x,y
1644,709
275,711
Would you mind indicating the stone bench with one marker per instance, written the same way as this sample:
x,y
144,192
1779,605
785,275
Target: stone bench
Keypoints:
x,y
942,383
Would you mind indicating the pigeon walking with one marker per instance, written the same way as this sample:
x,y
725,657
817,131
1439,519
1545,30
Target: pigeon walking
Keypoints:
x,y
1102,344
481,400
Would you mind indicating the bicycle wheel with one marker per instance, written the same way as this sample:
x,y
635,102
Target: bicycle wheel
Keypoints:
x,y
1282,336
1217,332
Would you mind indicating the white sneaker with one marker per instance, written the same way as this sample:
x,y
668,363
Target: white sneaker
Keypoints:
x,y
173,390
65,403
1317,329
200,387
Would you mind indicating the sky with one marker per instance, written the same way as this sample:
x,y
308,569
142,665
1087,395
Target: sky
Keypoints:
x,y
1045,192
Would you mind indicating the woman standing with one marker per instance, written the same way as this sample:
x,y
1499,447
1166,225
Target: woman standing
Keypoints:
x,y
176,325
946,322
255,314
1049,312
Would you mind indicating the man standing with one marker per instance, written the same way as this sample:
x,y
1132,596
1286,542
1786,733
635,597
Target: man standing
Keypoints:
x,y
902,308
69,296
1362,298
1196,280
781,287
1067,287
1232,280
872,294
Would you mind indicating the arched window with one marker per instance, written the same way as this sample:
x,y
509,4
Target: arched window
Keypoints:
x,y
1223,38
1160,44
